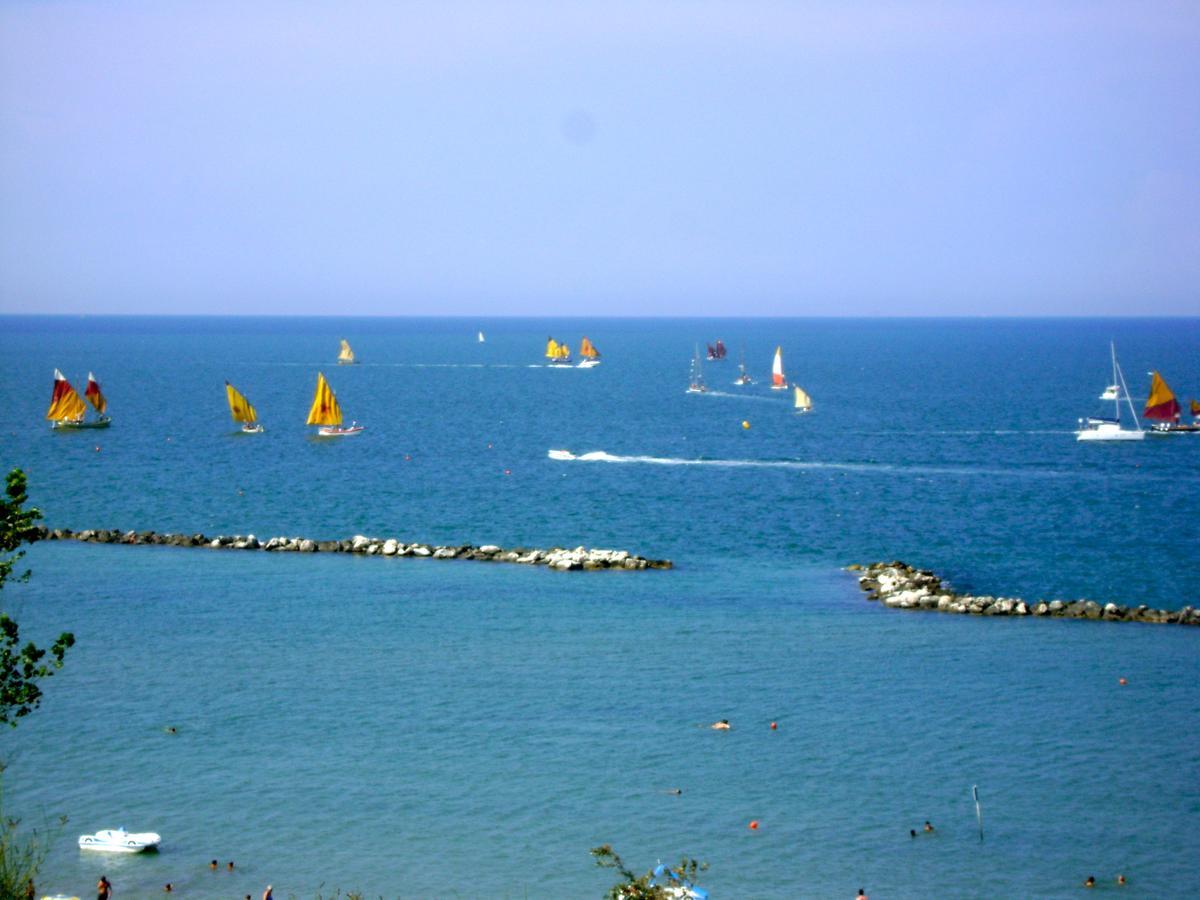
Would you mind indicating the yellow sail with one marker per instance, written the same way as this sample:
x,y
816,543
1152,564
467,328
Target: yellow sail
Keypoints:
x,y
346,355
65,404
551,348
325,409
588,350
239,407
803,401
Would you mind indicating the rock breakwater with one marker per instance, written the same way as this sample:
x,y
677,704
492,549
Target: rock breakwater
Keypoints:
x,y
901,586
562,559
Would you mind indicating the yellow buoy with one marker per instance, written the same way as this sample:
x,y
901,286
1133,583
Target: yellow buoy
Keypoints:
x,y
745,423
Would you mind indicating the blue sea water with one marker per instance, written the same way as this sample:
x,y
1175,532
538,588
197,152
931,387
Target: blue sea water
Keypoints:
x,y
418,728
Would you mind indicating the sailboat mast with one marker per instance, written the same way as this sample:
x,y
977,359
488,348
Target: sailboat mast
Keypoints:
x,y
1112,348
1125,391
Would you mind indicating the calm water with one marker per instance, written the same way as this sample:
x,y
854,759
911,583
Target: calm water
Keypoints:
x,y
416,728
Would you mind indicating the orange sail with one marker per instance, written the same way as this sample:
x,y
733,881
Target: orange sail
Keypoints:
x,y
95,397
65,405
588,350
1161,404
778,382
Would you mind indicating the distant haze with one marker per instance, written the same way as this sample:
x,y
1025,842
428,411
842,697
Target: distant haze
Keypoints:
x,y
600,158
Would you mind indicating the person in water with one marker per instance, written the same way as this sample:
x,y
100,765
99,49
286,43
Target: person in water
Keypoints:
x,y
862,895
103,889
230,866
1090,881
928,827
267,895
722,725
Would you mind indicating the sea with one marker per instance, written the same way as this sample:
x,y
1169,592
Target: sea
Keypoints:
x,y
422,728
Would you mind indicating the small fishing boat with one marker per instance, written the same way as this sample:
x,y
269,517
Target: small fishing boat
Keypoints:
x,y
803,402
717,351
1162,406
559,355
67,410
242,411
590,356
778,382
696,383
327,413
743,376
346,355
118,840
1103,428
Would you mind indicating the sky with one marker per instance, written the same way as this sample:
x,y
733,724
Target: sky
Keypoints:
x,y
600,158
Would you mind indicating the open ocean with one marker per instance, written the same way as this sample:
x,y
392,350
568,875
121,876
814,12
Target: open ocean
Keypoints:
x,y
419,728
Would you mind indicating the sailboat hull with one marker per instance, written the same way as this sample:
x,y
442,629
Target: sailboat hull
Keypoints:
x,y
338,431
102,422
1109,431
588,364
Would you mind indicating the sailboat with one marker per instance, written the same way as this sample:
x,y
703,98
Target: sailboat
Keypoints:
x,y
803,401
242,411
696,383
67,410
559,355
743,376
1102,428
778,382
346,355
481,337
591,356
717,351
1162,406
327,413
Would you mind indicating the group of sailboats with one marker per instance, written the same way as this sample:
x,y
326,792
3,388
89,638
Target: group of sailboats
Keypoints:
x,y
801,401
325,413
67,410
559,354
1161,406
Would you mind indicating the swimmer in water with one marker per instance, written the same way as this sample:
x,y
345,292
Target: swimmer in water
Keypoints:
x,y
722,725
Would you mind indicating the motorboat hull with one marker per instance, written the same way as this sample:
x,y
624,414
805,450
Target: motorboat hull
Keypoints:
x,y
1109,432
117,841
337,431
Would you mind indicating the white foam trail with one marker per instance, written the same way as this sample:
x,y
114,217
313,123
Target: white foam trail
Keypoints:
x,y
795,464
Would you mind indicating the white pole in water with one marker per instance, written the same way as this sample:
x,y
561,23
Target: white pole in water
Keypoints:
x,y
978,811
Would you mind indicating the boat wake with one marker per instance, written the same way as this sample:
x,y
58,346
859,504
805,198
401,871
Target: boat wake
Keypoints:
x,y
795,464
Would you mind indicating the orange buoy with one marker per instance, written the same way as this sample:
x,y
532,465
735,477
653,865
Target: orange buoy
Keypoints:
x,y
1122,681
774,727
754,824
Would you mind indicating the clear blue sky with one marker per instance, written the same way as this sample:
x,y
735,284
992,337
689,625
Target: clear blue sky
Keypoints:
x,y
600,158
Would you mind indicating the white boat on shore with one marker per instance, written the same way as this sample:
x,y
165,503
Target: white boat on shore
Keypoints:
x,y
118,840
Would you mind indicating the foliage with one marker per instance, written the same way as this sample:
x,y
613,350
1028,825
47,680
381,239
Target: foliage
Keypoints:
x,y
642,887
21,667
21,855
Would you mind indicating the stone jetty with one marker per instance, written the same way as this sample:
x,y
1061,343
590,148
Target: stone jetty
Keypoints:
x,y
902,586
564,560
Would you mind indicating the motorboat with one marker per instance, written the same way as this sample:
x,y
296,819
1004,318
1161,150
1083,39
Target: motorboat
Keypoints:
x,y
118,840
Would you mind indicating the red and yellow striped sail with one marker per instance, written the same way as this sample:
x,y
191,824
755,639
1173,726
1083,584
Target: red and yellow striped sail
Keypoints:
x,y
588,350
1196,409
1161,404
95,397
325,409
65,405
